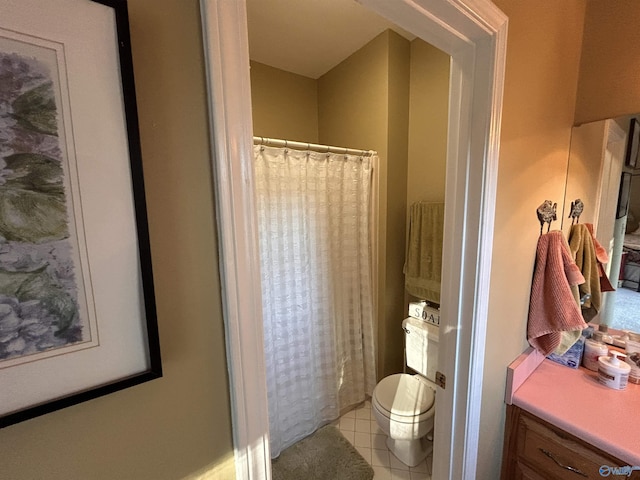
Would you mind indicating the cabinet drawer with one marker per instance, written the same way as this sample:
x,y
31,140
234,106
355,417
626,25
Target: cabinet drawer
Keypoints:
x,y
558,455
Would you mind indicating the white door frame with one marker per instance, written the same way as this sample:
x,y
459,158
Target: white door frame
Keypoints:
x,y
473,32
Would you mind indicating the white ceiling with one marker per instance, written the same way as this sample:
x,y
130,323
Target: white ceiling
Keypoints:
x,y
310,37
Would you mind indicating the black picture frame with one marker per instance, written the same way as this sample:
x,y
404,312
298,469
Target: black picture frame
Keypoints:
x,y
102,153
631,158
623,196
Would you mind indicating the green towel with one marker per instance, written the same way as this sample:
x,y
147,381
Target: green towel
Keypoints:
x,y
423,264
584,253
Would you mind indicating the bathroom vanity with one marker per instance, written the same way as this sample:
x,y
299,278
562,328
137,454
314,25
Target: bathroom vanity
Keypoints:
x,y
562,424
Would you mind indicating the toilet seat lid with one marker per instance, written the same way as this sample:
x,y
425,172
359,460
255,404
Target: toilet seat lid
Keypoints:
x,y
404,395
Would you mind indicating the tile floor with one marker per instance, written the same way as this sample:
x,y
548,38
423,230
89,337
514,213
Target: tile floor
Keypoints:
x,y
360,428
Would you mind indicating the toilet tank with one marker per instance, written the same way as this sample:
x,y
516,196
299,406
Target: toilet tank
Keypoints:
x,y
421,346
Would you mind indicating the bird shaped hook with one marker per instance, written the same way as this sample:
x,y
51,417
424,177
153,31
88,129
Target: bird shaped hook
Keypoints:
x,y
546,214
576,210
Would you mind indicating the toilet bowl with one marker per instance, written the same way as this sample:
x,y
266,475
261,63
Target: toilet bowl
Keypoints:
x,y
404,407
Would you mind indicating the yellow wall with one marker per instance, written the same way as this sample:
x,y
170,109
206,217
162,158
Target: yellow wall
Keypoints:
x,y
177,426
390,96
609,70
395,308
284,105
543,55
364,104
428,118
583,172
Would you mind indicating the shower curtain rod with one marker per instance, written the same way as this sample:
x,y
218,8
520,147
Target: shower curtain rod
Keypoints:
x,y
275,142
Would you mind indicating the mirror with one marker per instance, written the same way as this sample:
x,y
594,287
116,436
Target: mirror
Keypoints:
x,y
601,173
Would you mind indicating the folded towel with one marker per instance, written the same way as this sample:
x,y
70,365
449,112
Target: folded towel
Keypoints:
x,y
584,253
601,254
554,306
602,257
423,263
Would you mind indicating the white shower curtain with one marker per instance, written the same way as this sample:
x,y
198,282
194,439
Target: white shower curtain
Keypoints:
x,y
315,249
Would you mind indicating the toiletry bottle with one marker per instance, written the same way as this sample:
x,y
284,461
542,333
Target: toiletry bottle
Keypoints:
x,y
633,356
606,336
594,348
612,372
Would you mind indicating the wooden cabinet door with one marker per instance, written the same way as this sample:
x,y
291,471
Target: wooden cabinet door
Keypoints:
x,y
535,449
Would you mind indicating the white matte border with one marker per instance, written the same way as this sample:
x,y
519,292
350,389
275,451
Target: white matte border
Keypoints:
x,y
87,30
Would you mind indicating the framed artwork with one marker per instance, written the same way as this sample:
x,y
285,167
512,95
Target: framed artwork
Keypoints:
x,y
631,158
623,196
77,308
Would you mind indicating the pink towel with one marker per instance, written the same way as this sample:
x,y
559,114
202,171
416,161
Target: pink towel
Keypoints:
x,y
601,253
602,257
554,306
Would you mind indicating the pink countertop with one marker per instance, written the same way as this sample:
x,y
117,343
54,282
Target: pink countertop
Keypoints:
x,y
573,400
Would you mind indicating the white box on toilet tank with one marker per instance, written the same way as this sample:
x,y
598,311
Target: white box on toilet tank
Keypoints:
x,y
421,346
425,312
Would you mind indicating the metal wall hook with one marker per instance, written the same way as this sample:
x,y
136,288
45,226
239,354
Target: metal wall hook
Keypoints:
x,y
546,214
576,210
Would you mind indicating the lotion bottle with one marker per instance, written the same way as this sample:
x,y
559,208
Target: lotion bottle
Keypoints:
x,y
612,372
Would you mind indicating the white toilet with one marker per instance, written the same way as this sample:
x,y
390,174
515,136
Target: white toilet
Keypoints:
x,y
404,404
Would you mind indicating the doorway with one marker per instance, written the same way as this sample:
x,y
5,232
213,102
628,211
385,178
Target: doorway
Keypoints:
x,y
476,39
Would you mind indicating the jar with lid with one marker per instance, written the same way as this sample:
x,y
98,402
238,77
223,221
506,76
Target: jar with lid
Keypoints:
x,y
612,372
594,348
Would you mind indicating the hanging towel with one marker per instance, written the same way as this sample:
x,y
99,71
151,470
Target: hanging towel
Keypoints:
x,y
554,305
601,253
423,263
602,258
583,252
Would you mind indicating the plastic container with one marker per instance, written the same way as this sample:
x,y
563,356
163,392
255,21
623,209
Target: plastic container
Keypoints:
x,y
594,348
612,372
606,336
633,356
572,357
621,340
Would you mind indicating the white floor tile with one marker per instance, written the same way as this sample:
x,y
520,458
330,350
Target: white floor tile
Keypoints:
x,y
380,458
365,452
349,436
364,413
400,474
363,426
361,429
349,414
420,476
348,424
397,464
362,439
375,428
381,473
421,467
379,441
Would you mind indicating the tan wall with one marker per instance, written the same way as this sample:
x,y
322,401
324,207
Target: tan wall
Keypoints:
x,y
609,83
355,104
583,173
397,170
543,57
428,119
177,426
284,105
